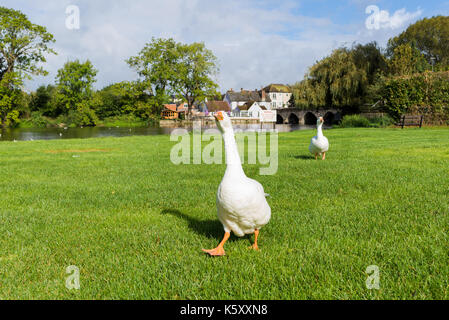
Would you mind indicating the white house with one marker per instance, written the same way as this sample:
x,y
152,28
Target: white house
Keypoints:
x,y
279,95
251,109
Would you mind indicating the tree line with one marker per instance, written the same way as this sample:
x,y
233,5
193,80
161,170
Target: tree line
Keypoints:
x,y
361,76
395,78
165,68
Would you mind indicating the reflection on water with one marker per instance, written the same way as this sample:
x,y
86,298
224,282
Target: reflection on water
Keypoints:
x,y
99,132
77,133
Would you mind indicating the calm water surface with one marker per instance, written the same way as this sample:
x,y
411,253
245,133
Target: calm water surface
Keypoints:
x,y
99,132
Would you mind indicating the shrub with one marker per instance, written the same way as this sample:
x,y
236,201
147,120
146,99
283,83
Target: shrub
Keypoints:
x,y
355,121
38,120
82,116
382,122
12,119
128,120
62,120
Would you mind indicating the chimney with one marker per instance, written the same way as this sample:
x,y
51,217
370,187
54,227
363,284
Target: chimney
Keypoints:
x,y
241,89
264,95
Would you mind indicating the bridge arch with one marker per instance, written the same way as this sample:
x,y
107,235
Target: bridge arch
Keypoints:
x,y
279,119
293,119
310,119
329,118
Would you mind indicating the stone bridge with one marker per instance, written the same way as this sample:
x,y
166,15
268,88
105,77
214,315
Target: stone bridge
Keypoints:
x,y
307,117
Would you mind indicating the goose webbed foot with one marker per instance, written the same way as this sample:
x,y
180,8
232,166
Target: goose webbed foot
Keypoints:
x,y
254,247
256,237
219,251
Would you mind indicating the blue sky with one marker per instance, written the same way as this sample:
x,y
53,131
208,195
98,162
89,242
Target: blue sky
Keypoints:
x,y
256,42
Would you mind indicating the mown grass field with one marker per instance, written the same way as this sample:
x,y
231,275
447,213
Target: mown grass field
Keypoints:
x,y
135,224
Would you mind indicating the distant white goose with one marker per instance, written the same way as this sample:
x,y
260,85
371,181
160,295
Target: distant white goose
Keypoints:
x,y
319,144
241,204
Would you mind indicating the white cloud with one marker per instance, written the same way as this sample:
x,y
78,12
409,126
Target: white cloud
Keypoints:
x,y
398,19
256,42
381,19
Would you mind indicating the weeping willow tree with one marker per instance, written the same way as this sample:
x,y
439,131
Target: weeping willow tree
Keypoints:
x,y
354,77
341,80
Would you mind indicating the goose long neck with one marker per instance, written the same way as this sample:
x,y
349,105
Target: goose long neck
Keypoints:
x,y
320,130
234,164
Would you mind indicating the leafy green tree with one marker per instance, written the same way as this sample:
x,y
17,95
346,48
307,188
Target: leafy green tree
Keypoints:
x,y
430,36
335,81
124,98
292,101
44,100
74,84
343,79
83,115
10,97
194,73
302,92
215,96
370,59
420,93
23,45
185,70
406,60
113,100
156,64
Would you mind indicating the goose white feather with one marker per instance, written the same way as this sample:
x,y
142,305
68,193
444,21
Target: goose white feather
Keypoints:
x,y
241,204
319,144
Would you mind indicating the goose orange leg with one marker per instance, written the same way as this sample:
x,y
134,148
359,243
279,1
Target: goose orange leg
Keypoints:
x,y
324,156
256,237
219,251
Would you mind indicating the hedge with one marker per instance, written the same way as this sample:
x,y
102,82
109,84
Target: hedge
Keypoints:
x,y
425,93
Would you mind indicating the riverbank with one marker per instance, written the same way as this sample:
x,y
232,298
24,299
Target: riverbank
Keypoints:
x,y
134,223
63,133
208,122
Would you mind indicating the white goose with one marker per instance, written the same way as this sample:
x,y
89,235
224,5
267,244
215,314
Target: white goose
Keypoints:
x,y
241,204
319,144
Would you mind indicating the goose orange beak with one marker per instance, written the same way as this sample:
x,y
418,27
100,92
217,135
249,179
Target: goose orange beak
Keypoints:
x,y
219,116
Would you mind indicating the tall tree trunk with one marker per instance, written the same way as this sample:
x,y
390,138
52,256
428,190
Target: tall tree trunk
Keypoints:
x,y
189,111
189,107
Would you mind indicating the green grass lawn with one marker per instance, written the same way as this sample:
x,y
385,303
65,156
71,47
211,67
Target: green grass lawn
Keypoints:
x,y
135,224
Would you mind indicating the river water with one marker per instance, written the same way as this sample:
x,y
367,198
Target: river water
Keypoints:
x,y
99,132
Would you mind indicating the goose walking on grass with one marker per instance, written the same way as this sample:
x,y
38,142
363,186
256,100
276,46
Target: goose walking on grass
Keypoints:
x,y
319,144
241,204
